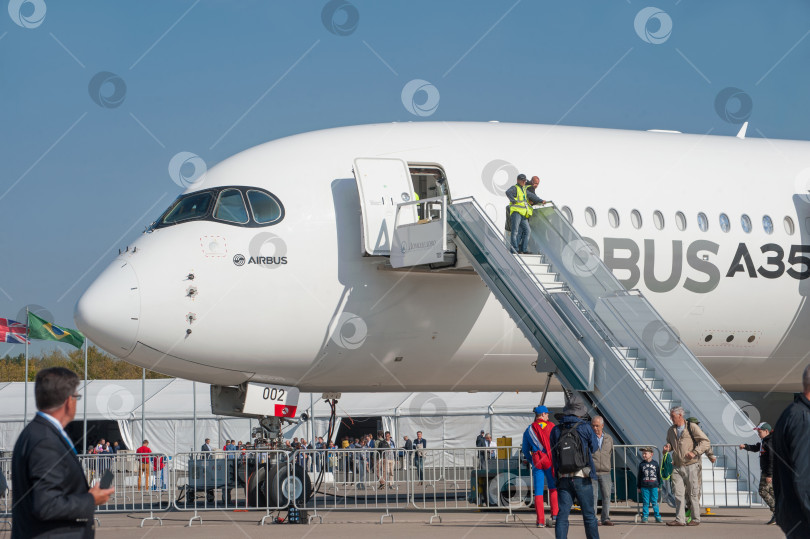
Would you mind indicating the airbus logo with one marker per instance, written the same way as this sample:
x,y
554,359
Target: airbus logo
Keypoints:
x,y
240,260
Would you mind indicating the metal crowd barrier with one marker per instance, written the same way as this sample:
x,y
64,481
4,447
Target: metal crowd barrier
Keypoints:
x,y
735,491
429,479
5,492
721,484
318,480
234,480
142,482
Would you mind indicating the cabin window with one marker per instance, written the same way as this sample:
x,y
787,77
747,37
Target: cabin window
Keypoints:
x,y
680,221
767,224
789,228
193,206
658,220
725,224
231,207
613,218
703,222
569,216
265,207
590,216
745,221
635,218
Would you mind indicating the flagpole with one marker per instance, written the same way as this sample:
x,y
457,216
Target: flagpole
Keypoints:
x,y
25,407
143,405
84,435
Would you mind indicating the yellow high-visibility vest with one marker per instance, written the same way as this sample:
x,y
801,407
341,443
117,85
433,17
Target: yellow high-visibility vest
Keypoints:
x,y
521,204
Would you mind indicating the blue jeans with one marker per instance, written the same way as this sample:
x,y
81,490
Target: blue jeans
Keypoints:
x,y
648,495
568,489
419,463
520,232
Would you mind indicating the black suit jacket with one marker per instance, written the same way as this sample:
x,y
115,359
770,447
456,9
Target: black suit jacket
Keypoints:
x,y
49,489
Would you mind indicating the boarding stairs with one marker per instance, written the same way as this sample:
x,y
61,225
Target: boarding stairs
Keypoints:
x,y
602,340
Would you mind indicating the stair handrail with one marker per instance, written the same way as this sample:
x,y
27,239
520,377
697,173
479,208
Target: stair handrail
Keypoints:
x,y
610,339
619,290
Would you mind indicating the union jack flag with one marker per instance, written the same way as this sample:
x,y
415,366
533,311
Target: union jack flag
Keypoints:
x,y
13,332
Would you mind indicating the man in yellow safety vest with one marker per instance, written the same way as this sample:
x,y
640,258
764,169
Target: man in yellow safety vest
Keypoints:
x,y
520,209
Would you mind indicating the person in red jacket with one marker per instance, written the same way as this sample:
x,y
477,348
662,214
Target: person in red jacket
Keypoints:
x,y
143,463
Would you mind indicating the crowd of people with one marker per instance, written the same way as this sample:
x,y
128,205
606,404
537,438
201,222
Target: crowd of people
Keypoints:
x,y
103,447
573,461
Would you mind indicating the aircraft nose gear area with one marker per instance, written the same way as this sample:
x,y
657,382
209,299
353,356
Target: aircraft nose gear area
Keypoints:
x,y
109,311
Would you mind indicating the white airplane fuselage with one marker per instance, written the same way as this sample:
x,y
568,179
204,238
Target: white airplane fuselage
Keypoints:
x,y
307,309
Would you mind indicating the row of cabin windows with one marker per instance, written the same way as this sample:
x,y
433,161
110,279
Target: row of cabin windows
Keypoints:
x,y
680,220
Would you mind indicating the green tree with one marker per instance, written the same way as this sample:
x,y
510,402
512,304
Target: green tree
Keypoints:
x,y
100,365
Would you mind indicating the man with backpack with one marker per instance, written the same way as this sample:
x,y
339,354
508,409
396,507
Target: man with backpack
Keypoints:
x,y
688,443
573,442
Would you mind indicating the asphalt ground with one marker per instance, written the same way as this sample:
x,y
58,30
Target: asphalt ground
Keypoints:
x,y
748,523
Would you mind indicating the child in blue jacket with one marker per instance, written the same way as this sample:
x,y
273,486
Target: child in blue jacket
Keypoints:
x,y
648,484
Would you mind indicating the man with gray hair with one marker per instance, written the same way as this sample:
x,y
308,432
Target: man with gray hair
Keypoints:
x,y
51,496
602,461
688,442
791,470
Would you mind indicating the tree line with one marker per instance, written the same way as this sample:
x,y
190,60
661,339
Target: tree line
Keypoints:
x,y
100,365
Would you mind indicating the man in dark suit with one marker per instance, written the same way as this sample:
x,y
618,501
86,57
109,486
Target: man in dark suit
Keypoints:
x,y
51,496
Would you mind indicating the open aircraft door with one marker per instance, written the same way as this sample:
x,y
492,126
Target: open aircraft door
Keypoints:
x,y
382,184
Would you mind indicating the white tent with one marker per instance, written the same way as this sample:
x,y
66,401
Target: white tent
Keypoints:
x,y
446,419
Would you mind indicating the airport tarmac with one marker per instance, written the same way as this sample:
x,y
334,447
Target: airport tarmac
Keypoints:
x,y
725,523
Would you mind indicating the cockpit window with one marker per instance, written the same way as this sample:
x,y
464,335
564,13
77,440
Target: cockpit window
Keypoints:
x,y
231,207
265,207
193,206
224,205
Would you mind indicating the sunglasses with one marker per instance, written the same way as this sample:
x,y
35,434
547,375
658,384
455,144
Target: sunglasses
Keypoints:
x,y
77,397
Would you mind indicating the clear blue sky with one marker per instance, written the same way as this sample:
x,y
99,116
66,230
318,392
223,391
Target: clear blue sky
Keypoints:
x,y
80,179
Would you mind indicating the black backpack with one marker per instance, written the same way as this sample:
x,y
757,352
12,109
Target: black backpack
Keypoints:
x,y
569,451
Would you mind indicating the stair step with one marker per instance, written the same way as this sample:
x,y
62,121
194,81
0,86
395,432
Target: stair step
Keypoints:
x,y
628,353
547,278
718,473
654,383
532,260
639,362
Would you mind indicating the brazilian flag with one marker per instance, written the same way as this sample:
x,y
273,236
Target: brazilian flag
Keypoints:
x,y
41,329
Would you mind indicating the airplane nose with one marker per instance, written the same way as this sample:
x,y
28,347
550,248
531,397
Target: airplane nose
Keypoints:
x,y
108,312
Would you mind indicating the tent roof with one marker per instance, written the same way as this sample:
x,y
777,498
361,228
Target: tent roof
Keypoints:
x,y
174,399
